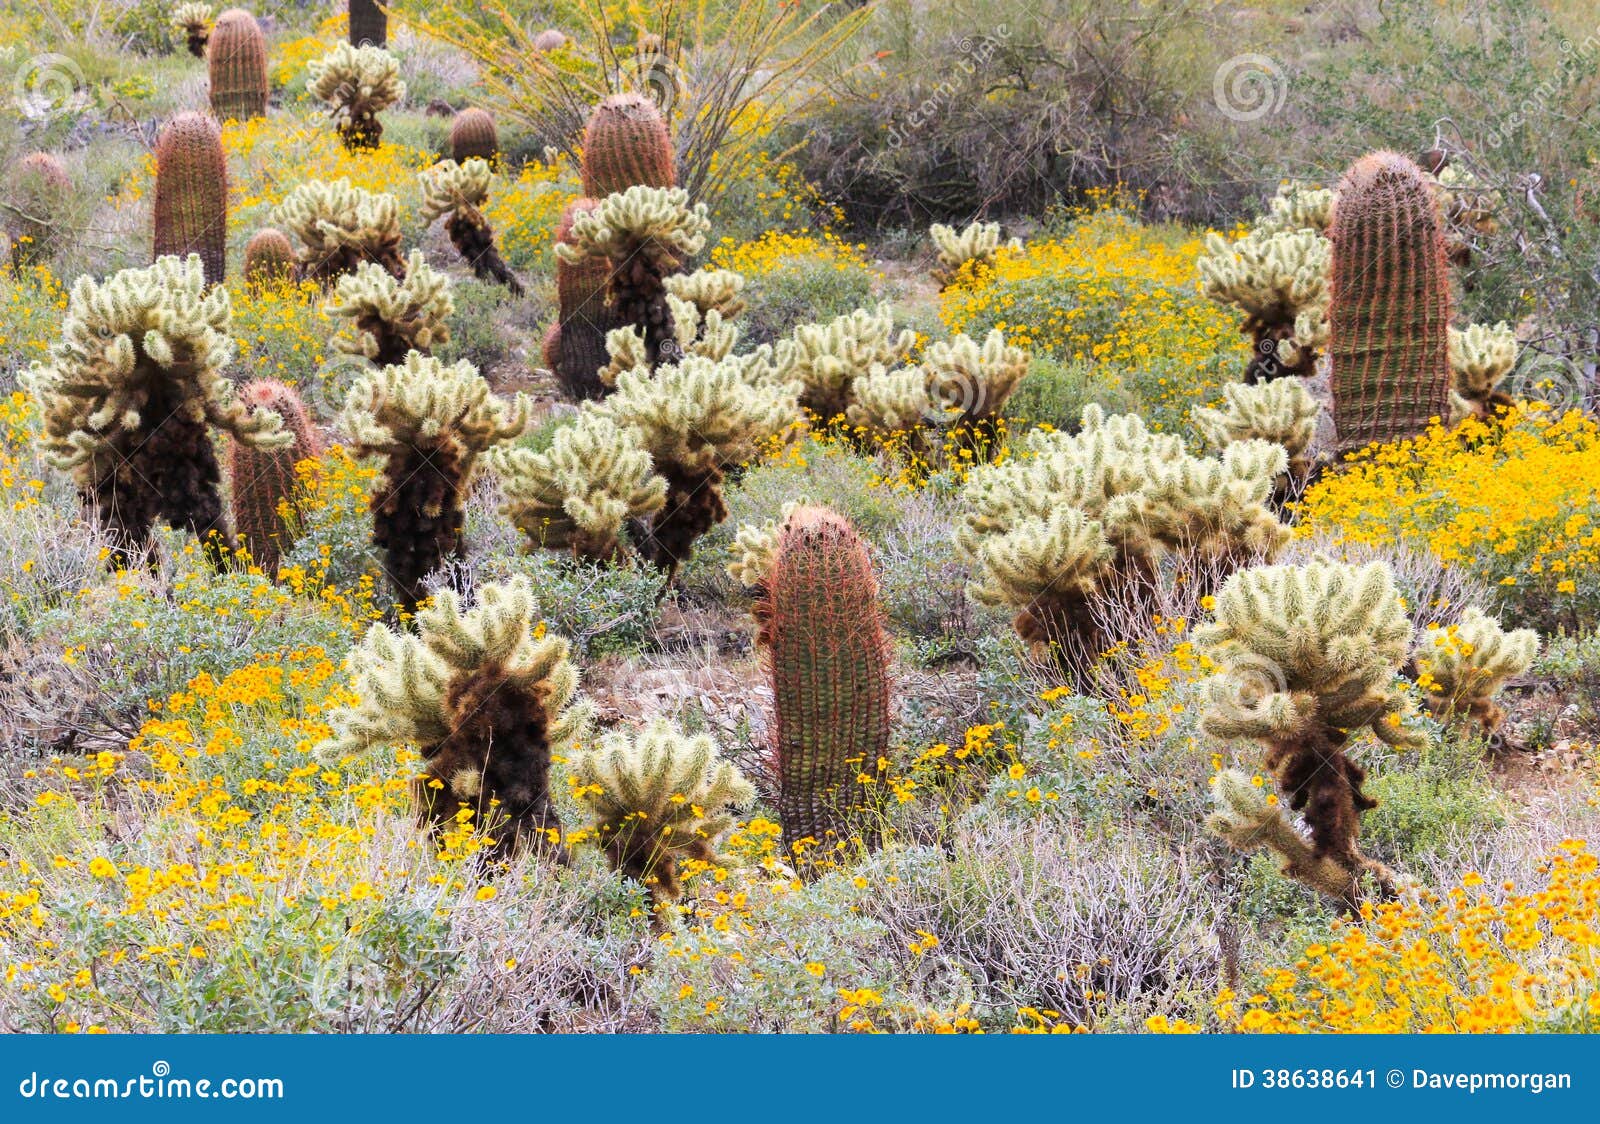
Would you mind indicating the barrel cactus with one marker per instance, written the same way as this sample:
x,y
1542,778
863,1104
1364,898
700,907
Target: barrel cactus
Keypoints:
x,y
237,59
1389,309
486,697
626,144
828,656
269,259
575,348
128,394
369,23
473,136
265,487
191,204
38,189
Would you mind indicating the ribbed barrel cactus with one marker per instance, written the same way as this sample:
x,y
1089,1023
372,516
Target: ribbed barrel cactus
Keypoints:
x,y
626,144
697,419
357,84
1389,304
575,348
269,258
580,494
38,189
1481,357
825,648
236,54
460,191
128,393
340,227
194,20
266,490
430,423
1309,655
1071,523
486,698
388,319
369,23
191,204
1280,282
658,800
646,234
1463,666
473,136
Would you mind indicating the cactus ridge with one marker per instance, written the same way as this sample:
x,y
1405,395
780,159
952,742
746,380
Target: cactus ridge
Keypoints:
x,y
191,203
236,56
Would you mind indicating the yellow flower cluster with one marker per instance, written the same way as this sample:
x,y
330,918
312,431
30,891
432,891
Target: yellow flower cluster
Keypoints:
x,y
778,250
1514,500
524,211
1470,962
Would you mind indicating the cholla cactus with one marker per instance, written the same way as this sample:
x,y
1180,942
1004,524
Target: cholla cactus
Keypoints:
x,y
1074,519
755,546
892,401
696,418
709,290
977,242
972,381
194,20
1247,818
1463,666
1466,204
485,698
460,191
658,799
1280,282
1297,206
129,390
1282,412
389,318
340,227
1480,358
579,494
1309,655
646,233
430,422
357,83
827,359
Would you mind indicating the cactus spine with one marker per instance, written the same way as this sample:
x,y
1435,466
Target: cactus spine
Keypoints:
x,y
237,58
369,24
473,134
625,144
39,188
191,204
1390,304
264,481
828,658
269,258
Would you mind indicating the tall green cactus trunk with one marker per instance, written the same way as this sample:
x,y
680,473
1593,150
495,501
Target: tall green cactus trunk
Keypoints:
x,y
191,204
828,656
1390,310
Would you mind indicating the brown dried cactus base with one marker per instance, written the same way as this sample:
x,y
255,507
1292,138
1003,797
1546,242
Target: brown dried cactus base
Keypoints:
x,y
197,43
414,542
168,472
474,239
639,297
328,271
495,764
363,133
1265,366
694,506
1324,785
